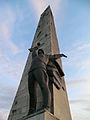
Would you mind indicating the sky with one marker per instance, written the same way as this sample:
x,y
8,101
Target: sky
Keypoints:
x,y
18,23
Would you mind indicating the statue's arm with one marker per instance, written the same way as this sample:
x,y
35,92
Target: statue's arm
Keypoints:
x,y
36,47
33,49
57,56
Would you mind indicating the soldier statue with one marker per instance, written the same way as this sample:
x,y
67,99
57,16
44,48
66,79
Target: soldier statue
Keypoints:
x,y
38,74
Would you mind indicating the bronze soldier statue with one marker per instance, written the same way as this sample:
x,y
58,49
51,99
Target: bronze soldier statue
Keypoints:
x,y
38,74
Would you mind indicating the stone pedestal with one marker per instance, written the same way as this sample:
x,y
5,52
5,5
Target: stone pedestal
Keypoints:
x,y
40,115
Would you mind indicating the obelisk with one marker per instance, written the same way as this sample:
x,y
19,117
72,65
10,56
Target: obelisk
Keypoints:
x,y
45,33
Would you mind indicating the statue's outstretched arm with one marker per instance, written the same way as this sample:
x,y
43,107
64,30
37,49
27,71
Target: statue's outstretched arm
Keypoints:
x,y
62,55
57,56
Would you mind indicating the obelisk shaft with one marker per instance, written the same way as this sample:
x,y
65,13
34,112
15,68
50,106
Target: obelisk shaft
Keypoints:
x,y
45,33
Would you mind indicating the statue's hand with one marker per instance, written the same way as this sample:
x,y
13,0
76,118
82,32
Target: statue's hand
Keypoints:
x,y
62,55
30,49
33,49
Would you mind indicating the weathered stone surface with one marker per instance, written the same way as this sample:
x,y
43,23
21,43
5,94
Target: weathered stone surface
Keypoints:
x,y
45,33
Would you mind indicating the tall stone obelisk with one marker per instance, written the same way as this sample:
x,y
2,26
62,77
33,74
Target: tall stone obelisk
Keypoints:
x,y
45,33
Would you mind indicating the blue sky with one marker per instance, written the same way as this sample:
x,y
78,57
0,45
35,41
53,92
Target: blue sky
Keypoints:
x,y
18,22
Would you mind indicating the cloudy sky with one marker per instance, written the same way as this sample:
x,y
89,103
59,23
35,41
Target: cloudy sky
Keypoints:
x,y
18,22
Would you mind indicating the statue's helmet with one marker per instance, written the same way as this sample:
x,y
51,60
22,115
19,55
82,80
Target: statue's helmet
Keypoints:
x,y
40,51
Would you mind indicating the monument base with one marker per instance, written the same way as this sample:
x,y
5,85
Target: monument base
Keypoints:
x,y
40,115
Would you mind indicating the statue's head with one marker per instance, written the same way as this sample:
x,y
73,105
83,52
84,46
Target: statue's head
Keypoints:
x,y
40,51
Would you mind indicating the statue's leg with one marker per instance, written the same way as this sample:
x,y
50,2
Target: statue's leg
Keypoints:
x,y
42,79
32,93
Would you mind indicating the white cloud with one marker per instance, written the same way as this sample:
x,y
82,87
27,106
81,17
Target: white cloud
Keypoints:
x,y
76,83
84,46
41,5
7,46
80,109
6,97
85,65
3,115
8,49
6,28
10,72
79,90
79,98
79,57
11,67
